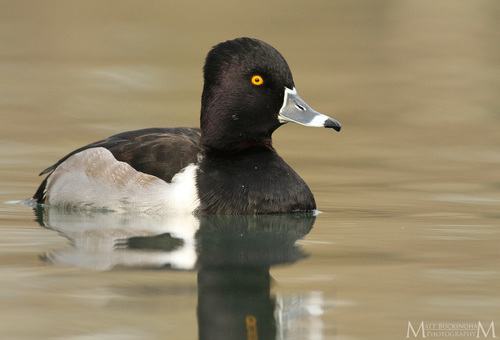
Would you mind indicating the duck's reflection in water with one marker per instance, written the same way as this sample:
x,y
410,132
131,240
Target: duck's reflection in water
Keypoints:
x,y
232,254
235,254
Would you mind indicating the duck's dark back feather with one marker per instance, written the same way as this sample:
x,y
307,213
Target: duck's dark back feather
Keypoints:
x,y
161,152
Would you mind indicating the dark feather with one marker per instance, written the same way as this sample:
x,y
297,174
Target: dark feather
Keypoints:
x,y
254,181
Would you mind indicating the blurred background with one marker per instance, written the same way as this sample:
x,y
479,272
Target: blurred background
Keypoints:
x,y
415,85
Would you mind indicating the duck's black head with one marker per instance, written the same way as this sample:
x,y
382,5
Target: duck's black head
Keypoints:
x,y
248,93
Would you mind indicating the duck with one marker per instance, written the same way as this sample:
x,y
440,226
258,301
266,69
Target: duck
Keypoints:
x,y
227,166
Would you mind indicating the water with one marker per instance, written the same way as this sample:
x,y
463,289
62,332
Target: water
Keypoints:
x,y
409,189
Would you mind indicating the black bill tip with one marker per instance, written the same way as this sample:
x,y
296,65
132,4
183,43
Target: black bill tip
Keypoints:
x,y
333,124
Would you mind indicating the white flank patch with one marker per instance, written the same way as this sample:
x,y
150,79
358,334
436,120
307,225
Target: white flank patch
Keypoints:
x,y
94,179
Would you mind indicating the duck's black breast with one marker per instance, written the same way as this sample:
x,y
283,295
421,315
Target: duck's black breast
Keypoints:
x,y
254,181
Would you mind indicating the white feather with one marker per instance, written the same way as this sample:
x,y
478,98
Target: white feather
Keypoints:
x,y
94,179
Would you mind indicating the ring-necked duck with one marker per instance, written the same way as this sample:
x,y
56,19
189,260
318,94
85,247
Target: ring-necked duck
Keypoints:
x,y
228,166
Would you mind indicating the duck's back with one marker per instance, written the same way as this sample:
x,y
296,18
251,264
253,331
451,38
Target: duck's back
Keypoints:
x,y
158,152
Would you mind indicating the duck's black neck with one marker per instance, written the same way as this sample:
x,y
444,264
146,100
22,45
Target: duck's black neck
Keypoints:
x,y
240,148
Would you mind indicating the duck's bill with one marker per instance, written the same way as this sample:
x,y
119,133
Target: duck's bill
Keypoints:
x,y
296,110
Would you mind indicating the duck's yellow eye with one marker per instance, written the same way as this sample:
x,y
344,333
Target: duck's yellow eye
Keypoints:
x,y
257,80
